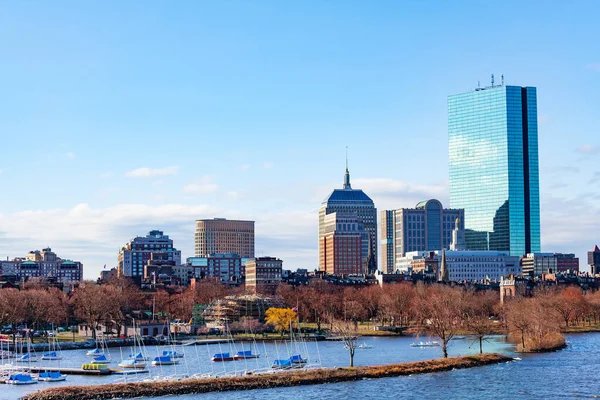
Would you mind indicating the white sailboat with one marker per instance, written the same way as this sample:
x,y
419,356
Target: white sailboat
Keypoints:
x,y
53,353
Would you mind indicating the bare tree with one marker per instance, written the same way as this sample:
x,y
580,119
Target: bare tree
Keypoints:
x,y
441,312
92,304
518,318
349,334
479,308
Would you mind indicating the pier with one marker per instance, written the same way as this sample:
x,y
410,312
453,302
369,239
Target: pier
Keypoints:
x,y
72,371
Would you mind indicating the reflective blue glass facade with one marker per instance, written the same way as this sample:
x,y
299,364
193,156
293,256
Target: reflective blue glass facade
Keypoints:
x,y
494,174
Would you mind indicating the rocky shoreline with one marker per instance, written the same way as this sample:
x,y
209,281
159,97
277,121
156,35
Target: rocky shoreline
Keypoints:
x,y
263,381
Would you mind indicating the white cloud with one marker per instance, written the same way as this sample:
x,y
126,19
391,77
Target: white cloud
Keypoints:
x,y
268,164
588,149
203,185
236,195
70,154
245,167
152,172
94,236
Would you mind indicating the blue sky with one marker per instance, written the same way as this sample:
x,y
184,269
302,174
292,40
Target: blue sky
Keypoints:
x,y
120,117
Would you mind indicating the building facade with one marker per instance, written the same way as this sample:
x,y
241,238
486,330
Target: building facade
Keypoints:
x,y
43,264
494,174
140,251
426,227
466,265
263,275
594,260
351,201
220,236
227,267
537,264
345,244
387,241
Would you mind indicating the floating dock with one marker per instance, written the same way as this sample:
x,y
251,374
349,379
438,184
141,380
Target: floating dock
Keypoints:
x,y
72,371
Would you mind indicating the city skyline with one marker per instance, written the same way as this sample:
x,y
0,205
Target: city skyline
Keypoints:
x,y
116,125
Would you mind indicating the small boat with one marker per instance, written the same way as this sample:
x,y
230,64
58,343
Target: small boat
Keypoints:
x,y
21,379
138,357
51,356
245,354
282,364
361,346
297,359
425,344
101,359
164,360
27,357
222,357
51,376
172,354
132,363
94,353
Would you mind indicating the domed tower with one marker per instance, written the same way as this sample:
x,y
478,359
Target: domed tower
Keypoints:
x,y
348,202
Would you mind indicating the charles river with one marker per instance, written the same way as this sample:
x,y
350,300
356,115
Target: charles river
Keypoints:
x,y
566,374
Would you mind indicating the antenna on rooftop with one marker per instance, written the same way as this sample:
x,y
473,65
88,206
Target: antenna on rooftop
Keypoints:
x,y
346,157
478,84
492,80
502,79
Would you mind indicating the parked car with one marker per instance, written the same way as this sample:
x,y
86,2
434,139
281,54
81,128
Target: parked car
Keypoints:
x,y
61,329
214,331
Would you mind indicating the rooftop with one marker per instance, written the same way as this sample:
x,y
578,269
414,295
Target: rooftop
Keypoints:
x,y
347,194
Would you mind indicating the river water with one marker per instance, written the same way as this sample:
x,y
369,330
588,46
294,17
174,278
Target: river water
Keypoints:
x,y
567,374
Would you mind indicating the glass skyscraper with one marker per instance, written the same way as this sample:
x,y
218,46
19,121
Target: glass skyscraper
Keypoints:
x,y
494,174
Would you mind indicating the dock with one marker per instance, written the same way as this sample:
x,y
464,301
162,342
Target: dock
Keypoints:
x,y
72,371
205,342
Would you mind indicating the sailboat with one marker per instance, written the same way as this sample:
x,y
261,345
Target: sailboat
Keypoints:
x,y
22,378
102,357
53,349
51,376
29,356
136,360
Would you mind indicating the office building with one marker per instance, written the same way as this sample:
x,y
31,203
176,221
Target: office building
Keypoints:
x,y
594,260
344,245
152,249
537,264
463,265
494,175
567,262
387,241
263,275
351,201
426,227
43,264
228,267
220,236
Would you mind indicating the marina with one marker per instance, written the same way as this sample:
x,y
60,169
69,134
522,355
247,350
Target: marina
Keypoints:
x,y
197,360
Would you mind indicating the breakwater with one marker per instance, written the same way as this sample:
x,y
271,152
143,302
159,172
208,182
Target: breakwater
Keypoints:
x,y
263,381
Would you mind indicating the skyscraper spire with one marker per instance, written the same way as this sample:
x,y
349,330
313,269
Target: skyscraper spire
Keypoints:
x,y
347,174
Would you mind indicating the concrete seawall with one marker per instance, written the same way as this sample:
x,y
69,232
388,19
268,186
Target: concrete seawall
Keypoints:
x,y
264,381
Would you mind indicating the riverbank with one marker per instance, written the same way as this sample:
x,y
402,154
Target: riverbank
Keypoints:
x,y
264,381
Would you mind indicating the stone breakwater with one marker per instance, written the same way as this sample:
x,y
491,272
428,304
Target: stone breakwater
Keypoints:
x,y
263,381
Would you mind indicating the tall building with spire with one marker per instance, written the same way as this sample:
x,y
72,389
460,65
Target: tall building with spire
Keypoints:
x,y
349,202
